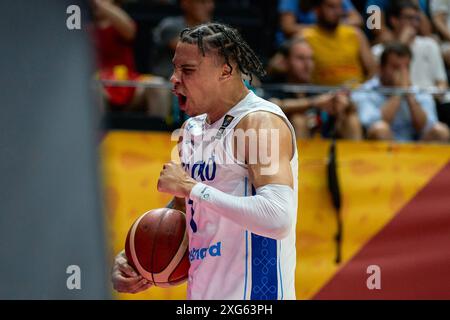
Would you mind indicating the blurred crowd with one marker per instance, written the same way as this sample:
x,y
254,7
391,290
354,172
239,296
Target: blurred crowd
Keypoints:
x,y
356,49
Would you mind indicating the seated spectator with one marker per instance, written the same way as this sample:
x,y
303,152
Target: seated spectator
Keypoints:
x,y
297,14
427,66
384,34
440,12
165,35
309,113
403,117
342,53
114,32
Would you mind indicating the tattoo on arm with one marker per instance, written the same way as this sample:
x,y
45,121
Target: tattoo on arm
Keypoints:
x,y
171,204
177,204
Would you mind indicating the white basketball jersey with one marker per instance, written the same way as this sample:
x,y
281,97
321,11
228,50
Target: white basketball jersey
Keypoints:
x,y
228,261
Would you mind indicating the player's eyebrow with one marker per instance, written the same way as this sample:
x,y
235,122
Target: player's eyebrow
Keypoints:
x,y
186,65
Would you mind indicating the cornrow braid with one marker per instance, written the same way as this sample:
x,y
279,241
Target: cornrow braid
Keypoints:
x,y
229,43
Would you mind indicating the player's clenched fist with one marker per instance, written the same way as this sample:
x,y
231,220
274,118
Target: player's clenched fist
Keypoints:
x,y
174,180
125,279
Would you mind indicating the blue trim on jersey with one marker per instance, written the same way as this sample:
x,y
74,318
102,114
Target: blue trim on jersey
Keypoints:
x,y
246,249
281,276
264,267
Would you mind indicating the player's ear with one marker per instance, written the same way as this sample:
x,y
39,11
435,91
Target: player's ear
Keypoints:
x,y
226,72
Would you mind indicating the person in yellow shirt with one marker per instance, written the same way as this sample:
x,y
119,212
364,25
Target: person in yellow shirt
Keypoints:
x,y
342,53
310,113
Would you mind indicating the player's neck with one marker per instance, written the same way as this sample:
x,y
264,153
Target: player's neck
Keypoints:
x,y
227,100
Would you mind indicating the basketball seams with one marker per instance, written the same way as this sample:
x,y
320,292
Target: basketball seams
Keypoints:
x,y
154,246
172,229
184,277
147,275
165,274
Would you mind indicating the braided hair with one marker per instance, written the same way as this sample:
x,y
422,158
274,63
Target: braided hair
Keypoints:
x,y
229,43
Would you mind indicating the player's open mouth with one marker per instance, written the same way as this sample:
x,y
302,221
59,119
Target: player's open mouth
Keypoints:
x,y
182,99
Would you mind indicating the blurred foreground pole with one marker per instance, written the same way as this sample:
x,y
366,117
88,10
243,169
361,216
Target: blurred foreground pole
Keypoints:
x,y
51,220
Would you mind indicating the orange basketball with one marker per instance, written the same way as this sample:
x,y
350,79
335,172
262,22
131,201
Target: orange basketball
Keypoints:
x,y
157,247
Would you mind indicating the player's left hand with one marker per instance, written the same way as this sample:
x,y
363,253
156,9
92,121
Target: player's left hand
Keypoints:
x,y
174,180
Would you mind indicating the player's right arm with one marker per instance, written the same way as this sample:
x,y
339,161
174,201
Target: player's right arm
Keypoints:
x,y
125,279
123,276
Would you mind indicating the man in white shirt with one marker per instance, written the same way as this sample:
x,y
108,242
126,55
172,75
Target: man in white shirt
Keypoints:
x,y
427,65
440,10
403,117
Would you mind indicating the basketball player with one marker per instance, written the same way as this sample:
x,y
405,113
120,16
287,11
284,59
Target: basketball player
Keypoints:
x,y
241,214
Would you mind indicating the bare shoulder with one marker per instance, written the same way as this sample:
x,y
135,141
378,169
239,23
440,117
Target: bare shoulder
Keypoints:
x,y
262,120
269,126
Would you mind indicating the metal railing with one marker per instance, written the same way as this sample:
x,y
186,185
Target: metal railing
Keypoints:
x,y
291,88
